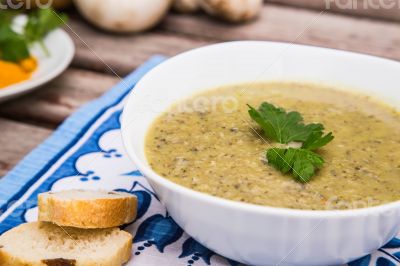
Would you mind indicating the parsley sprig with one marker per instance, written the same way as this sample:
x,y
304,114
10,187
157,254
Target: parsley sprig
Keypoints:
x,y
40,23
286,127
14,46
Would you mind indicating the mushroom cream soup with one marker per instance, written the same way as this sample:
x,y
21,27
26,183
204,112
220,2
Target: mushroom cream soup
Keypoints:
x,y
210,144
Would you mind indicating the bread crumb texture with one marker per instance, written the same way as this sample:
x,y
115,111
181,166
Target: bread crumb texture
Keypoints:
x,y
46,244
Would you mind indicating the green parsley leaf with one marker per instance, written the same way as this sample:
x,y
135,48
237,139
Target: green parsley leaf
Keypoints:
x,y
12,45
40,23
315,140
301,163
285,127
6,16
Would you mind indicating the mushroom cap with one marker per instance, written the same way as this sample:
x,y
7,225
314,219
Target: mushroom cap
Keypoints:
x,y
123,15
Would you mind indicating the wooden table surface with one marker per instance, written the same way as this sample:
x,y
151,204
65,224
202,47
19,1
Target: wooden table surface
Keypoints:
x,y
25,122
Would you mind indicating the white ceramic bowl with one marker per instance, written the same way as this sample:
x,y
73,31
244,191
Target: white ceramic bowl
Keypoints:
x,y
248,233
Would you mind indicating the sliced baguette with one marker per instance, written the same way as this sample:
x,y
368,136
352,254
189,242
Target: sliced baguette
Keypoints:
x,y
87,209
47,244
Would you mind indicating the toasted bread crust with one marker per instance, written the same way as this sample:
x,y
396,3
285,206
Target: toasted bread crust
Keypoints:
x,y
96,213
119,257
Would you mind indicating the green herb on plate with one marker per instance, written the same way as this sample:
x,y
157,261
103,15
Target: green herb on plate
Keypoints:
x,y
40,23
14,46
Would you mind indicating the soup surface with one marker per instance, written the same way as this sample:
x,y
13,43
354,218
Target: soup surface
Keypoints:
x,y
210,144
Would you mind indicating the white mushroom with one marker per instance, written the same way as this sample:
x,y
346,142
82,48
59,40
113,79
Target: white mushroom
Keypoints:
x,y
186,6
232,10
123,15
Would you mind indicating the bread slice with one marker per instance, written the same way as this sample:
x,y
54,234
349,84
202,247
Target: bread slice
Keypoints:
x,y
47,244
87,209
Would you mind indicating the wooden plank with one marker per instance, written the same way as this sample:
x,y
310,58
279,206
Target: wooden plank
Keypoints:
x,y
123,53
289,24
381,9
16,141
54,102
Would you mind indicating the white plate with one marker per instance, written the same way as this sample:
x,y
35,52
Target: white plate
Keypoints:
x,y
61,49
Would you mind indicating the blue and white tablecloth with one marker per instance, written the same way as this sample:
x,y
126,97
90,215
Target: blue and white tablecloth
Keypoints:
x,y
86,152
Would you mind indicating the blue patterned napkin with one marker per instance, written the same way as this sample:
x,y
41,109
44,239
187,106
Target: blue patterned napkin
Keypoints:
x,y
86,152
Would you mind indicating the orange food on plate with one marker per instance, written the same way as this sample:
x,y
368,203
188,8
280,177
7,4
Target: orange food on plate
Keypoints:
x,y
11,73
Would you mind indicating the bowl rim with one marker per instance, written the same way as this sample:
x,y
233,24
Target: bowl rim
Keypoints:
x,y
149,173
